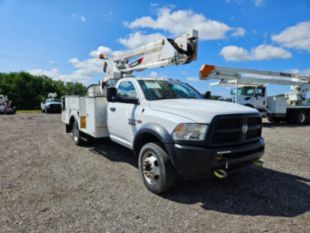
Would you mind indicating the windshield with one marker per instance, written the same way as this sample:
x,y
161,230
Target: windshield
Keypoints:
x,y
52,100
246,91
163,89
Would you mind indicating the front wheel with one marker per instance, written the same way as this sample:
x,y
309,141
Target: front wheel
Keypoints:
x,y
156,169
274,120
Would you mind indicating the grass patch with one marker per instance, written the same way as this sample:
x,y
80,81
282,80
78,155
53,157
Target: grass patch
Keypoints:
x,y
28,111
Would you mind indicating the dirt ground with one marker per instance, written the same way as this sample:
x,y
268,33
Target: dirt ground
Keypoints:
x,y
50,185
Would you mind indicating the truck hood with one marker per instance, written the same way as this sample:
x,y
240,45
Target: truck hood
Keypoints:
x,y
199,110
53,103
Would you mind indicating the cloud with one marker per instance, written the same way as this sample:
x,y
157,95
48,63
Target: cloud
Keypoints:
x,y
84,70
297,36
182,21
137,39
100,50
261,52
78,18
82,19
238,32
192,79
154,74
259,3
53,73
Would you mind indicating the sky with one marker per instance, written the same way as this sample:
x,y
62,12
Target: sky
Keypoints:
x,y
62,38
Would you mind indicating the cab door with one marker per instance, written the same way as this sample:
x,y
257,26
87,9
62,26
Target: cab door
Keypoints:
x,y
260,97
122,114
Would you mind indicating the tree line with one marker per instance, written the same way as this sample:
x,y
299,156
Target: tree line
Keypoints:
x,y
27,91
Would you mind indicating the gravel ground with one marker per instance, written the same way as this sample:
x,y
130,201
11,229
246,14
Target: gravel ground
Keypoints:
x,y
50,185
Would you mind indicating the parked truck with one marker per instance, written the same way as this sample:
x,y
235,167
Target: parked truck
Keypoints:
x,y
6,105
168,124
51,104
249,89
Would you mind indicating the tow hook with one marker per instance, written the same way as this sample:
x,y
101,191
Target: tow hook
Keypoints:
x,y
258,163
220,173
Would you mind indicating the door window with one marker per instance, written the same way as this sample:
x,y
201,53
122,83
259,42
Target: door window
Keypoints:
x,y
260,91
126,90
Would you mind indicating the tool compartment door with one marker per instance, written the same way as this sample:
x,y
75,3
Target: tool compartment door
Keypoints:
x,y
96,116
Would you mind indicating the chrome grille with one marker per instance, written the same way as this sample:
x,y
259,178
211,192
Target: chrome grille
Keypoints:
x,y
228,130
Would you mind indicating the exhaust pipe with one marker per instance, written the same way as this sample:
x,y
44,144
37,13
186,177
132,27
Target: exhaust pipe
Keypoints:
x,y
220,173
258,163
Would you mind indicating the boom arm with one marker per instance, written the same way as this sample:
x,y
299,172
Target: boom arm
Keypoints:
x,y
250,76
162,53
227,75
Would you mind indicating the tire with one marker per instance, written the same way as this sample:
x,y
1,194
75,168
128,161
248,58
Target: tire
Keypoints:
x,y
308,117
301,117
45,110
274,120
157,172
76,134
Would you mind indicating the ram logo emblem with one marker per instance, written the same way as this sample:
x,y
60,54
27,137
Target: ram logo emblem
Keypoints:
x,y
244,128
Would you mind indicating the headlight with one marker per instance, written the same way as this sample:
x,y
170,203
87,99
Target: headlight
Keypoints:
x,y
190,132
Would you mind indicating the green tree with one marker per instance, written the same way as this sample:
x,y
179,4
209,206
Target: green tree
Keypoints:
x,y
28,91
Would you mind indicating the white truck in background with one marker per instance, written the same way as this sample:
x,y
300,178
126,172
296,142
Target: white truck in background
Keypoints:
x,y
51,104
249,89
168,124
6,105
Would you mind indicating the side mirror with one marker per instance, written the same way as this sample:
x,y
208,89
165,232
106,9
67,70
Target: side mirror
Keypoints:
x,y
111,94
208,95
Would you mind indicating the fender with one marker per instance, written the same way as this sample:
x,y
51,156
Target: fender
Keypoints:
x,y
74,115
156,131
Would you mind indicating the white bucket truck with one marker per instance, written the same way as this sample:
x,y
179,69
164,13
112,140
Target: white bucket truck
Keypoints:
x,y
168,124
249,89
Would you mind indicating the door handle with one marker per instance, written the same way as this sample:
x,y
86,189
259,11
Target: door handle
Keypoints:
x,y
112,109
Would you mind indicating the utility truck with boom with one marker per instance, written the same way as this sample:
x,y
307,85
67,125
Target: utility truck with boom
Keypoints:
x,y
168,124
6,106
249,89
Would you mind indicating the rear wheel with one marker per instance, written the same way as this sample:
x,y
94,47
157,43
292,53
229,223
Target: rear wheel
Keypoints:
x,y
301,117
308,117
156,169
76,134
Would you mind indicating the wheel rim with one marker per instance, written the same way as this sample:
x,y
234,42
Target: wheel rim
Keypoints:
x,y
301,118
150,168
75,133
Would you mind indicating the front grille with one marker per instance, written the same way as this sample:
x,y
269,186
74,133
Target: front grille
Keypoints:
x,y
229,130
56,106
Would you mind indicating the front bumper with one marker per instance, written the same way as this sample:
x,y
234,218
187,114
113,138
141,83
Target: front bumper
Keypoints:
x,y
54,108
198,162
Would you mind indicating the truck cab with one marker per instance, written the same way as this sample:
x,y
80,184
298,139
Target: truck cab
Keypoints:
x,y
251,95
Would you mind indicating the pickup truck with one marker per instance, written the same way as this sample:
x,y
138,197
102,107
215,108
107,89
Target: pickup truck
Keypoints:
x,y
172,129
51,105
